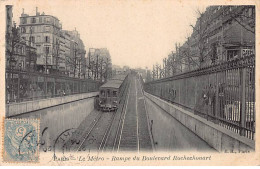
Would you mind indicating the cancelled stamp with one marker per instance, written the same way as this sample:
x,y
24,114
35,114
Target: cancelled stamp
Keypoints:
x,y
21,137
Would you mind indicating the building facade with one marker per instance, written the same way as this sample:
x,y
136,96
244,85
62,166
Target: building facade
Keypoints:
x,y
20,55
43,31
221,33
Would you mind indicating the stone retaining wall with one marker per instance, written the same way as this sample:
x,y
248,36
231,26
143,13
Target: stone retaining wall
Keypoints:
x,y
24,107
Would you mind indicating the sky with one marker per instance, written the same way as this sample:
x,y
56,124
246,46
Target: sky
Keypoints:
x,y
137,33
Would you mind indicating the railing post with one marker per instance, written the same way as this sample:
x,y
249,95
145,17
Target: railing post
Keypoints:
x,y
18,90
243,101
54,86
217,108
45,86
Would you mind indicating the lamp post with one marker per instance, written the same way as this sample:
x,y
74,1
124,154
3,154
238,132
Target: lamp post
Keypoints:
x,y
12,65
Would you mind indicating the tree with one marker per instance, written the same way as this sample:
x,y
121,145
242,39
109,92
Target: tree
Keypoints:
x,y
12,39
73,61
99,64
148,76
201,34
243,15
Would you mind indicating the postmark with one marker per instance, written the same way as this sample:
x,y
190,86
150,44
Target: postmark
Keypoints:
x,y
21,138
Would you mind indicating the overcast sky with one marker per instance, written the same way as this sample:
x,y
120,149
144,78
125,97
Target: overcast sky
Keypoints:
x,y
137,33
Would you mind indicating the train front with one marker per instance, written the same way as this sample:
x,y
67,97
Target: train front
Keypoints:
x,y
108,100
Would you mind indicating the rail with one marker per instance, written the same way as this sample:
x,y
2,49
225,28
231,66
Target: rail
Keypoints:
x,y
223,93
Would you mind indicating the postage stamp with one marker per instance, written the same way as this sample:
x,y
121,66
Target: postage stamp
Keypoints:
x,y
21,138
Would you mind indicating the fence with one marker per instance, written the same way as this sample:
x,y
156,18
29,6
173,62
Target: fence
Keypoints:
x,y
23,86
223,93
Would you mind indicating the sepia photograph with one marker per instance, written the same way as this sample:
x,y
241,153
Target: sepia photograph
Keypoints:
x,y
129,82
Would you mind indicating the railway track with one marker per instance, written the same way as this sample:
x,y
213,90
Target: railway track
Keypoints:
x,y
96,136
124,130
133,133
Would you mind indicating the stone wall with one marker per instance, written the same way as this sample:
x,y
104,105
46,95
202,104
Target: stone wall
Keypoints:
x,y
25,107
220,138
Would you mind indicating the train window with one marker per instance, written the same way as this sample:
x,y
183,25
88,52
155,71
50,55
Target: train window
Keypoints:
x,y
114,93
108,93
102,92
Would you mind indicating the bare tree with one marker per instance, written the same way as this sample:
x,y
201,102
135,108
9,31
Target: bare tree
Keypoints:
x,y
12,39
243,15
99,65
201,35
74,61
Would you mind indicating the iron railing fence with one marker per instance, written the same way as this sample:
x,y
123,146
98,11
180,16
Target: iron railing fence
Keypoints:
x,y
24,86
223,93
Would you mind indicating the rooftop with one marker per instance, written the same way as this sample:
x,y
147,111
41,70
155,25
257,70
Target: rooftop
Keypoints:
x,y
112,84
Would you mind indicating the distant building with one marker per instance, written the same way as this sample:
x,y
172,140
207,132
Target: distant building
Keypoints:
x,y
116,70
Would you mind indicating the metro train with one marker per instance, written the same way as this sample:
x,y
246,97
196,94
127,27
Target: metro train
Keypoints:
x,y
110,93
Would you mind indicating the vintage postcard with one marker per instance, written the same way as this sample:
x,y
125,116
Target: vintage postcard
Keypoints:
x,y
129,82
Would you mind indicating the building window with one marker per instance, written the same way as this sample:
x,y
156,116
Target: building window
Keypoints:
x,y
33,20
24,20
47,39
47,29
114,93
33,29
232,54
22,65
38,39
102,92
40,19
48,20
32,39
23,30
47,49
22,50
108,93
38,48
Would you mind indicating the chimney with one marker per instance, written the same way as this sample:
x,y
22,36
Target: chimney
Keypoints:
x,y
37,13
23,11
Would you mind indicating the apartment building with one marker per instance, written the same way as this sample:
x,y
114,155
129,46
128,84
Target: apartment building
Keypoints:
x,y
43,31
